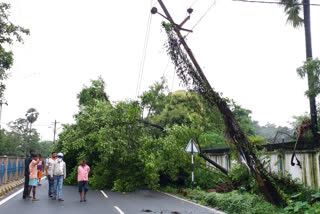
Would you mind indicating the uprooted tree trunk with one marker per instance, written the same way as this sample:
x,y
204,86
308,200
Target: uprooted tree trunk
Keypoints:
x,y
193,77
301,131
215,164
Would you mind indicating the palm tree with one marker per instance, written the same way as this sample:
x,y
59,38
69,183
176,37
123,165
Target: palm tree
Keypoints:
x,y
293,9
32,116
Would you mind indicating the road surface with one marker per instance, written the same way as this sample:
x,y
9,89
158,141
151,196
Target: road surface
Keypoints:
x,y
104,202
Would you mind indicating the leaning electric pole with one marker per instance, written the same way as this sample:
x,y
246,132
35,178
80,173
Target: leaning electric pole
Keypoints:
x,y
188,71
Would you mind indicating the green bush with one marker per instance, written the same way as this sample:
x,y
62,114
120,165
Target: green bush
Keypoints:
x,y
72,177
243,201
170,189
233,202
238,203
197,195
303,208
239,175
205,178
121,185
293,187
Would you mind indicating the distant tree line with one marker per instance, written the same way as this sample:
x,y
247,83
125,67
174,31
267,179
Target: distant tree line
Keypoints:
x,y
21,137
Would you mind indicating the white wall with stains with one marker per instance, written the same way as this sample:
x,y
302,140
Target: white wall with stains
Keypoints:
x,y
309,174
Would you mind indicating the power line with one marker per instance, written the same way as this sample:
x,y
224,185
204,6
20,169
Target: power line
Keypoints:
x,y
172,84
36,125
154,3
144,53
165,69
274,2
205,13
33,125
194,2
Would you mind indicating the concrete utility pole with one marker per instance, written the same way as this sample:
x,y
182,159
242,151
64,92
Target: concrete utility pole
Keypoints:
x,y
0,112
27,140
1,103
54,131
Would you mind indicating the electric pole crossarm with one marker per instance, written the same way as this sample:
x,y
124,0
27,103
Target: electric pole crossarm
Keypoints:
x,y
185,45
184,21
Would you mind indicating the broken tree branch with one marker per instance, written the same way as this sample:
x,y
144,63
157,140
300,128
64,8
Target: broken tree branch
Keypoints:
x,y
146,123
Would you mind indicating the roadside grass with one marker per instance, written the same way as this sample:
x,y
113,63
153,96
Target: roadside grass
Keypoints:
x,y
233,202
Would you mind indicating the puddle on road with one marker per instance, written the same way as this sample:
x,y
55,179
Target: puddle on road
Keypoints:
x,y
150,211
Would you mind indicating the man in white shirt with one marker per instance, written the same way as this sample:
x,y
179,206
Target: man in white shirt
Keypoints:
x,y
49,164
58,175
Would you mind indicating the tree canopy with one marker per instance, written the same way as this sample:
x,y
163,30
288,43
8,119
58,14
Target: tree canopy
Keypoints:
x,y
9,33
124,153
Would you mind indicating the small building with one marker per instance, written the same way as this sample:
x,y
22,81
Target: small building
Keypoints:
x,y
280,155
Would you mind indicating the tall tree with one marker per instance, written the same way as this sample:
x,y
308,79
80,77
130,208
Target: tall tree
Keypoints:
x,y
20,126
20,139
32,116
293,9
9,33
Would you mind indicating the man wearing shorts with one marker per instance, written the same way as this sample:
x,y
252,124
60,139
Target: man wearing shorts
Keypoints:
x,y
26,174
33,179
40,169
83,172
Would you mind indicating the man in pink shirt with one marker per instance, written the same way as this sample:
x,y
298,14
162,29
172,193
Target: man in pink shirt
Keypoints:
x,y
83,171
33,177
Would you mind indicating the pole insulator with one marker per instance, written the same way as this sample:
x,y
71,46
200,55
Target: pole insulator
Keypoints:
x,y
190,10
154,10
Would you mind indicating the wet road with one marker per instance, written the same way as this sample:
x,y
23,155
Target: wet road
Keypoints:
x,y
104,202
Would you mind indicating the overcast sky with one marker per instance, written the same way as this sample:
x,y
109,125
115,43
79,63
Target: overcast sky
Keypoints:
x,y
246,50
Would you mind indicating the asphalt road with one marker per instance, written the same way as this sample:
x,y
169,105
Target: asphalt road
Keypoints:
x,y
104,202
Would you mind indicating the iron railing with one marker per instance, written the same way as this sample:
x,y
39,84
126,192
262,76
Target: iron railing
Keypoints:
x,y
11,169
